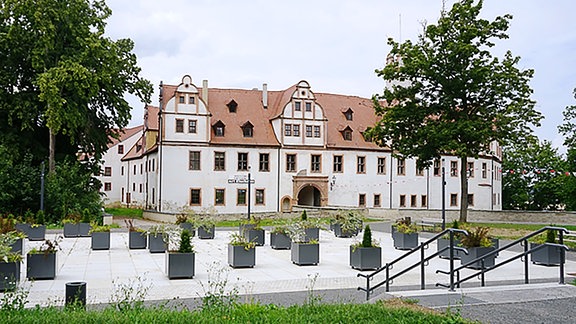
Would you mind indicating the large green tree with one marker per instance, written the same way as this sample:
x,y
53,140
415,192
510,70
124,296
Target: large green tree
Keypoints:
x,y
568,129
62,79
448,93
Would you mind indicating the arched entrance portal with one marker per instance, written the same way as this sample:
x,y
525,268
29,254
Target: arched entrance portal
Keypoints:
x,y
309,196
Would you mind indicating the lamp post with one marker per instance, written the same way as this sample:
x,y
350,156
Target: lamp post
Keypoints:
x,y
248,202
42,187
443,196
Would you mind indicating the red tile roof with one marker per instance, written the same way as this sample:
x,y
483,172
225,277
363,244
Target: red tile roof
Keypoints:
x,y
124,134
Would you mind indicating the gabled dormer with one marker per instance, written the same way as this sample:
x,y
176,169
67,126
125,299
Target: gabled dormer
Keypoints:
x,y
232,106
218,128
346,133
248,129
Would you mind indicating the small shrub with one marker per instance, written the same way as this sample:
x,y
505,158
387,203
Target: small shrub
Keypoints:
x,y
477,237
185,242
304,216
367,238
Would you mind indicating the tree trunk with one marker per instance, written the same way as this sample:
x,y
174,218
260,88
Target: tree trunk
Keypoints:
x,y
463,190
52,150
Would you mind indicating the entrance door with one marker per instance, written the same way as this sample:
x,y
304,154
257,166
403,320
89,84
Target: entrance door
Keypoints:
x,y
309,196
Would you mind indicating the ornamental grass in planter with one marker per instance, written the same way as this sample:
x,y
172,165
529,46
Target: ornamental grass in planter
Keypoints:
x,y
252,230
280,238
41,263
347,224
405,234
547,255
187,220
157,238
9,262
8,228
444,242
241,252
180,261
33,227
478,243
136,236
100,237
303,250
366,255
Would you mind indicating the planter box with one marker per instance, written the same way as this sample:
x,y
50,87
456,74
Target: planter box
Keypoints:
x,y
245,227
312,233
156,243
305,253
9,275
137,240
22,227
188,226
41,265
71,230
365,258
84,229
18,246
255,235
239,257
476,252
548,255
280,241
442,243
180,265
405,241
341,233
34,233
206,232
101,241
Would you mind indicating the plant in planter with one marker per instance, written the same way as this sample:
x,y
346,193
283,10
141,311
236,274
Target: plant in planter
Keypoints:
x,y
7,226
548,255
280,237
33,226
9,262
366,255
303,250
241,252
157,238
311,227
136,236
444,241
180,256
70,223
252,230
478,243
41,262
186,220
405,234
100,237
347,224
85,224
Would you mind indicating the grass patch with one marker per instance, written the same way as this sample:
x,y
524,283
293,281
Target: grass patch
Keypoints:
x,y
125,212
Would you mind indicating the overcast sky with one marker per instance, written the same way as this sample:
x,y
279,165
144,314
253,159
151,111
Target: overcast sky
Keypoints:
x,y
335,45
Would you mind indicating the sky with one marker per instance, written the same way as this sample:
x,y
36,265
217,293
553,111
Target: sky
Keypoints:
x,y
335,45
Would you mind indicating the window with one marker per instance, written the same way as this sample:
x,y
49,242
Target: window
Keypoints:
x,y
484,170
347,134
192,126
181,99
402,200
108,171
288,130
424,201
362,200
248,130
315,163
308,106
308,131
413,201
401,170
259,197
337,164
290,162
296,130
140,188
376,200
191,100
194,196
219,161
179,125
470,199
348,114
264,164
381,165
241,197
242,161
120,149
297,106
436,167
361,164
419,171
194,160
134,186
316,131
218,129
219,197
107,186
453,199
454,168
122,171
134,169
470,169
232,106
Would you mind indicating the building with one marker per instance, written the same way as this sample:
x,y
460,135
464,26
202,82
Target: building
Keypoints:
x,y
297,147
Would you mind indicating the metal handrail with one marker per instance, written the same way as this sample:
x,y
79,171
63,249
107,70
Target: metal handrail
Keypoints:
x,y
422,263
522,241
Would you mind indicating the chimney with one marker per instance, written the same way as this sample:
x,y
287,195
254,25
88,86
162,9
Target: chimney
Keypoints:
x,y
205,91
265,95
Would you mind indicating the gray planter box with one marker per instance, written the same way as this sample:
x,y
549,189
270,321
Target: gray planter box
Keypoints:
x,y
22,227
405,241
255,235
137,240
244,227
341,233
18,246
366,258
84,229
305,253
41,265
238,257
476,252
156,243
9,275
180,265
548,255
71,230
188,226
312,233
442,243
206,233
280,241
34,233
101,241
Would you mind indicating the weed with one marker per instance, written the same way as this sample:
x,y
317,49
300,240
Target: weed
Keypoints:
x,y
129,296
217,296
15,299
312,299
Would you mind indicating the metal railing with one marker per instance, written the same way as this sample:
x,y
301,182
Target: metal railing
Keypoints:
x,y
422,263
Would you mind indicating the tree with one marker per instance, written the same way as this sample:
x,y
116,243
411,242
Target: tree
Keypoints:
x,y
59,76
448,94
568,129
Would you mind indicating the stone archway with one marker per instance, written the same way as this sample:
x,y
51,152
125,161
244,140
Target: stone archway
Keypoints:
x,y
310,190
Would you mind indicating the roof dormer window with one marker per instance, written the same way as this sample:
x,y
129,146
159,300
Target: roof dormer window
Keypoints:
x,y
248,130
232,106
219,129
347,133
348,114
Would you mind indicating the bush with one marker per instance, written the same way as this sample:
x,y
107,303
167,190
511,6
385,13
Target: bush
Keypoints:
x,y
185,245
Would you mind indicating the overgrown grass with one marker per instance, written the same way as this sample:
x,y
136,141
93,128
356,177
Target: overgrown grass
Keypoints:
x,y
125,212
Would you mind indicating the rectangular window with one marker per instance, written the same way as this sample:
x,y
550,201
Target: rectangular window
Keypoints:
x,y
134,169
290,162
108,171
401,170
424,201
107,186
242,161
219,131
484,170
194,160
195,197
297,106
122,171
377,200
337,165
288,130
315,163
381,165
308,106
141,168
179,125
296,130
454,168
436,168
308,131
470,170
362,200
361,165
264,164
402,200
192,126
316,131
219,161
259,197
453,199
240,196
413,201
470,199
120,149
191,100
134,186
347,135
140,188
219,197
248,131
181,99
